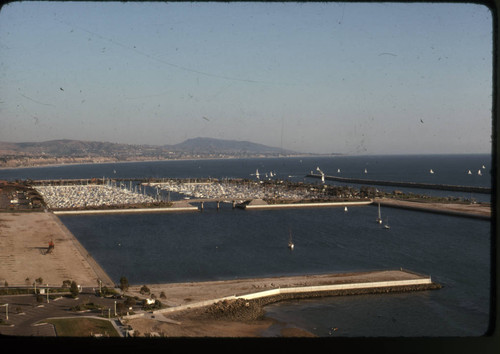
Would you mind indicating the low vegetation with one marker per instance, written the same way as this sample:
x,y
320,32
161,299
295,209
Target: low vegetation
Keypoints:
x,y
83,327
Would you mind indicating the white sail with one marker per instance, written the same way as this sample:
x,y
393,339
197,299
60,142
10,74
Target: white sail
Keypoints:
x,y
291,245
379,219
386,226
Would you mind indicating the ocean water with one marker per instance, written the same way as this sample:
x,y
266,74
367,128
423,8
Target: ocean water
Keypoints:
x,y
448,169
229,244
233,243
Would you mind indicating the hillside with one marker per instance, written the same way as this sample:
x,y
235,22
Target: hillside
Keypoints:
x,y
198,145
76,151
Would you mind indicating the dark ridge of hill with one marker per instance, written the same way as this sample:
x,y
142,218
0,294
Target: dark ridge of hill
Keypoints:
x,y
66,147
79,148
211,145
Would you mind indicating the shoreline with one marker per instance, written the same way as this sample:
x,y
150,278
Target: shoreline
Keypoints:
x,y
205,293
214,308
164,160
333,155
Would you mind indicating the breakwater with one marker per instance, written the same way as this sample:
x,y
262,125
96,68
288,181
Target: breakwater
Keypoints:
x,y
295,287
476,211
125,211
446,187
260,204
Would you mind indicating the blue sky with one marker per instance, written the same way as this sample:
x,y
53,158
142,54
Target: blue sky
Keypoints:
x,y
312,77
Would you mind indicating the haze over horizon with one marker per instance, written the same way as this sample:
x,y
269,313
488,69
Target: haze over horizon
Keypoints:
x,y
350,78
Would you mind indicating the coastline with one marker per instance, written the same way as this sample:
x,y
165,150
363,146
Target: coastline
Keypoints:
x,y
162,160
207,309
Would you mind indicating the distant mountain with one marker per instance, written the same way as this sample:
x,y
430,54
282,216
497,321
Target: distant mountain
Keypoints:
x,y
210,145
198,146
65,147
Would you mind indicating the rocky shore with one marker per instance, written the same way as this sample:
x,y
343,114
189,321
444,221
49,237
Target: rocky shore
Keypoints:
x,y
240,317
249,310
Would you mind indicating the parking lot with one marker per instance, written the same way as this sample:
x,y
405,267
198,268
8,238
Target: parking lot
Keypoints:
x,y
25,313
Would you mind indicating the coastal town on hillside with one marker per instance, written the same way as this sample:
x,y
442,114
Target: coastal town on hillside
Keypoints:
x,y
59,152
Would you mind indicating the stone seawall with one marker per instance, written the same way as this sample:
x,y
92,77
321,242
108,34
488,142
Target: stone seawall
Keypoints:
x,y
262,291
345,292
240,309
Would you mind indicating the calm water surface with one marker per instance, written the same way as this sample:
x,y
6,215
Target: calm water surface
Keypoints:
x,y
228,244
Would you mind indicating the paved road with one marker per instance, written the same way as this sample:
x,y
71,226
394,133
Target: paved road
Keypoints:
x,y
25,313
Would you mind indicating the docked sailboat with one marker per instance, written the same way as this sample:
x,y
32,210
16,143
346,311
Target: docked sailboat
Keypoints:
x,y
379,218
479,172
431,171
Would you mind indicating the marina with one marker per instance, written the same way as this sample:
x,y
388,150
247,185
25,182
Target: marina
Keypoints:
x,y
151,197
91,195
240,190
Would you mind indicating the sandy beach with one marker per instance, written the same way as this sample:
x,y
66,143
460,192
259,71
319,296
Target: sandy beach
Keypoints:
x,y
24,240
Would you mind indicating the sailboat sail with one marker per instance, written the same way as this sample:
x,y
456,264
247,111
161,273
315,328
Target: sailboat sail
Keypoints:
x,y
386,226
290,241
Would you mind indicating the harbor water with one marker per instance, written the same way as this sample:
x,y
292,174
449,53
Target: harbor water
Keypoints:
x,y
232,243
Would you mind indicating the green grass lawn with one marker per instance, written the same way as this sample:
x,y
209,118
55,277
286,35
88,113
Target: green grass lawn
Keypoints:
x,y
82,327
